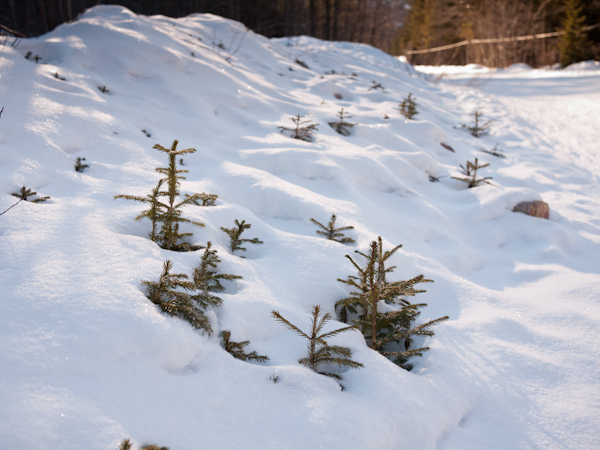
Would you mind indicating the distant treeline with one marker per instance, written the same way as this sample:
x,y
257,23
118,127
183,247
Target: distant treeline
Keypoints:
x,y
373,22
392,25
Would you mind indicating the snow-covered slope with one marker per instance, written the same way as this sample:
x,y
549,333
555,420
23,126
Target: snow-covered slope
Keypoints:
x,y
86,360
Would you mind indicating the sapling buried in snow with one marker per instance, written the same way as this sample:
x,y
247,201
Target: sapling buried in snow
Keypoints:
x,y
236,241
332,233
342,127
471,171
408,107
320,353
207,281
237,349
478,129
378,309
304,129
25,193
79,165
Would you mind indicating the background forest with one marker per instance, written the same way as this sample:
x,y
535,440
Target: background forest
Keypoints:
x,y
394,26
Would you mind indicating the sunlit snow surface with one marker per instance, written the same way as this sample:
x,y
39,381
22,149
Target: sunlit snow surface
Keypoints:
x,y
86,360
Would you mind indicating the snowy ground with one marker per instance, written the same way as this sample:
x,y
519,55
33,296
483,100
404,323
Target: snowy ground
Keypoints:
x,y
86,360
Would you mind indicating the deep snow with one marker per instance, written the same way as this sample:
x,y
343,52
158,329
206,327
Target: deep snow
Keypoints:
x,y
86,360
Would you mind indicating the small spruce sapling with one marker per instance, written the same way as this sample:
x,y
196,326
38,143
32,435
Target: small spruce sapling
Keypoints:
x,y
235,242
332,233
79,165
478,129
25,193
167,293
237,349
471,171
376,85
319,351
408,107
204,199
304,129
342,127
301,63
495,151
207,281
388,332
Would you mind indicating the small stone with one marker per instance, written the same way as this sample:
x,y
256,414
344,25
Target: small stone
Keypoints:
x,y
535,208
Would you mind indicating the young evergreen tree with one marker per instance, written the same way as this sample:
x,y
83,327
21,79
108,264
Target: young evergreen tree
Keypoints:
x,y
495,151
235,242
342,127
332,233
573,45
125,445
319,351
408,107
206,281
25,193
204,199
166,215
172,217
304,129
237,349
79,165
471,171
168,293
387,329
478,129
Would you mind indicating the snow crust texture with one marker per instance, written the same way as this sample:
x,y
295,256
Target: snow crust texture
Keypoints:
x,y
86,360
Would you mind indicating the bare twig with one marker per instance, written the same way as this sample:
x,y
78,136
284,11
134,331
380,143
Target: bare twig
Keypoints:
x,y
11,207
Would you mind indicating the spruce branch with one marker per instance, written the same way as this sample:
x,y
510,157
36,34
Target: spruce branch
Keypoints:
x,y
319,351
237,349
235,233
304,129
332,233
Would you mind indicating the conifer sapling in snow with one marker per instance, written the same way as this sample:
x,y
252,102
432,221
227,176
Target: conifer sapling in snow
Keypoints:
x,y
320,353
372,307
304,129
167,213
408,107
207,281
237,349
495,151
471,171
235,242
478,129
79,165
342,127
332,233
25,193
204,199
169,294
